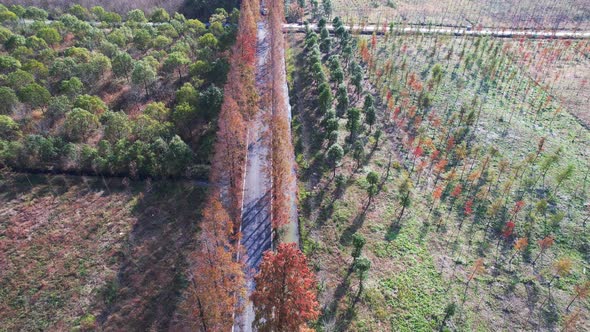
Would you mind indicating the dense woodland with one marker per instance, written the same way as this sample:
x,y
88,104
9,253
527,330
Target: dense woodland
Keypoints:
x,y
201,9
130,95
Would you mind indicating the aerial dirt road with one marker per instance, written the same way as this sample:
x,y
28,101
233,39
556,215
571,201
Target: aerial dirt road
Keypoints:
x,y
501,33
256,222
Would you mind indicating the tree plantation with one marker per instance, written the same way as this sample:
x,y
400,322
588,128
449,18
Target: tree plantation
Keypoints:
x,y
135,98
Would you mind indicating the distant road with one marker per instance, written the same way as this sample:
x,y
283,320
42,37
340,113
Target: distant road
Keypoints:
x,y
454,31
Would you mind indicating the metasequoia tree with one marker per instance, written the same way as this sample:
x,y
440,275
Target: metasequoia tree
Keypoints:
x,y
544,244
217,279
478,268
283,174
285,294
581,291
239,104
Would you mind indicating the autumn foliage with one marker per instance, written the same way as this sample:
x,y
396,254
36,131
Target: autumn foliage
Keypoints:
x,y
217,278
285,295
283,171
239,104
217,284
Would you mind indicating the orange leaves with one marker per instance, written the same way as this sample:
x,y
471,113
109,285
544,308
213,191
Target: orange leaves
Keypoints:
x,y
440,165
217,279
364,50
521,244
546,242
437,193
477,268
283,177
285,295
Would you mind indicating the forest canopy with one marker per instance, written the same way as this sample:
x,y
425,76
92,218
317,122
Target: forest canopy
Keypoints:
x,y
97,92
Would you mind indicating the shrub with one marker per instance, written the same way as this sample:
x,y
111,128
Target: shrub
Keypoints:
x,y
9,130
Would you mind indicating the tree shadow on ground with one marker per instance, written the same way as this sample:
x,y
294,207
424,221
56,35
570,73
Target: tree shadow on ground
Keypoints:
x,y
149,282
330,311
357,223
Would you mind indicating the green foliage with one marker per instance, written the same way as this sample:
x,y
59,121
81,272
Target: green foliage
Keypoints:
x,y
184,114
4,34
36,43
353,123
149,129
34,95
161,42
208,40
18,79
137,146
358,242
9,130
8,63
143,74
136,16
187,94
159,15
373,180
122,65
210,101
72,87
38,69
8,100
116,126
34,13
58,107
325,97
142,39
80,124
334,155
79,11
92,104
50,35
80,54
7,16
158,111
15,41
175,61
196,27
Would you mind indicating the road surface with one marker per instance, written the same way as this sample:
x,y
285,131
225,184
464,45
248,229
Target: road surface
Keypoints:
x,y
256,222
501,33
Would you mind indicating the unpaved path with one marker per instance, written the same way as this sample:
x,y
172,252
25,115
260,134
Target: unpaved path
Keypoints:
x,y
441,30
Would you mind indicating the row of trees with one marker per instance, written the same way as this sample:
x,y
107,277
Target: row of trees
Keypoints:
x,y
283,164
284,298
217,289
516,200
541,15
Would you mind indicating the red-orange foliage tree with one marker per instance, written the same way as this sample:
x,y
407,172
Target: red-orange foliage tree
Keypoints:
x,y
217,279
283,177
240,102
217,284
285,295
